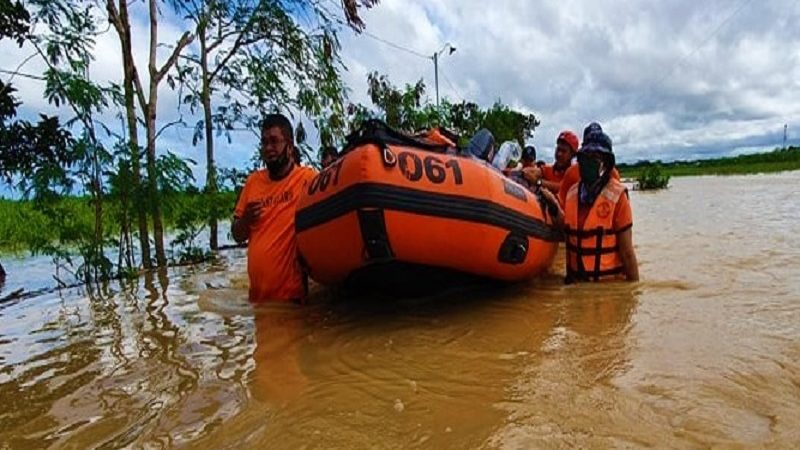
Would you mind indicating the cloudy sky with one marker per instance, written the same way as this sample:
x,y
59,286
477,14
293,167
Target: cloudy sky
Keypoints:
x,y
667,80
670,80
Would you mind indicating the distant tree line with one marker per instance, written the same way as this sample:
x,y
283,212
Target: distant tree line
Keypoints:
x,y
779,159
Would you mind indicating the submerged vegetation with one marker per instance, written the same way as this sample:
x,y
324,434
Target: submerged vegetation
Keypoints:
x,y
651,178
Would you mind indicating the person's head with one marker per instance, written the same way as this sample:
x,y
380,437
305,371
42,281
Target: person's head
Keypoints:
x,y
596,157
566,147
594,126
482,145
329,156
277,143
528,156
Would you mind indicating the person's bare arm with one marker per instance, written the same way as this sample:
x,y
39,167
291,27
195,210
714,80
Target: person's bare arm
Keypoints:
x,y
240,228
552,186
628,255
532,174
556,212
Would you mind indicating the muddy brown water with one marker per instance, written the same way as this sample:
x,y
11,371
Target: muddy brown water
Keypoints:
x,y
703,352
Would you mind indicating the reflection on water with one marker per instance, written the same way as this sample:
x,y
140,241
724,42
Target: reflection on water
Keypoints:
x,y
703,352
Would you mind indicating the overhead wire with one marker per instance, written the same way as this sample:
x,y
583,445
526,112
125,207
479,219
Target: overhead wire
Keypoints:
x,y
447,80
397,46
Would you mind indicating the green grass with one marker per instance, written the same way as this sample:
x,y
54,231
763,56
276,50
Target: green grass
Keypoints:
x,y
22,224
779,160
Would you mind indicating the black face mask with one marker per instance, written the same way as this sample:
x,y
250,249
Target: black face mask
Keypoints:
x,y
590,170
278,164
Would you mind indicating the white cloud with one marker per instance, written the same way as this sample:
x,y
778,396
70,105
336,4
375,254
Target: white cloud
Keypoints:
x,y
668,80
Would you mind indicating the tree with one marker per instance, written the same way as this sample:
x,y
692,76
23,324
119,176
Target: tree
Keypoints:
x,y
31,152
37,155
409,110
248,55
507,124
45,158
148,102
14,21
119,18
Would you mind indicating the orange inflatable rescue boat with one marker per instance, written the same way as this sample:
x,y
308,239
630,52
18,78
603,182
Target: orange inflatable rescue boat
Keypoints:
x,y
396,200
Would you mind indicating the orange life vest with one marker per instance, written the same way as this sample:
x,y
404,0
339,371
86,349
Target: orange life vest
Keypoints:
x,y
592,249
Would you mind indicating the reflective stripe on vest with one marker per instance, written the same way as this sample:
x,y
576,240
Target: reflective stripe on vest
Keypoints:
x,y
592,250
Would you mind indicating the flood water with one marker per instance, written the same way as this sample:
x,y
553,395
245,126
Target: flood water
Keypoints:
x,y
703,352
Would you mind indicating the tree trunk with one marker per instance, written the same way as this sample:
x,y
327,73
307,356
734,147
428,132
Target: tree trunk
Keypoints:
x,y
150,124
211,169
121,246
133,135
97,187
152,180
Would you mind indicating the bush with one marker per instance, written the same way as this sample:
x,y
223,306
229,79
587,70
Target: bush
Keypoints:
x,y
652,178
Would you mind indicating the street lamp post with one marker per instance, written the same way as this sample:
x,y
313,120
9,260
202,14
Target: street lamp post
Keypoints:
x,y
435,58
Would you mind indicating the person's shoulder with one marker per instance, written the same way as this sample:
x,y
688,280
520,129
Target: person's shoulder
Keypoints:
x,y
572,172
623,213
302,175
616,183
253,181
255,176
306,172
618,190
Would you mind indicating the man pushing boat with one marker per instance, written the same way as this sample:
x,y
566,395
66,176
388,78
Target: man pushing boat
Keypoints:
x,y
265,213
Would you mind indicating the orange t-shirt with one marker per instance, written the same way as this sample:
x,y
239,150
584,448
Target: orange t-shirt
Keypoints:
x,y
272,259
572,176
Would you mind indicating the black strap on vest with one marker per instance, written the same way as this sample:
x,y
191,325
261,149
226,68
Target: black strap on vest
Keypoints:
x,y
598,245
593,251
573,276
582,274
581,234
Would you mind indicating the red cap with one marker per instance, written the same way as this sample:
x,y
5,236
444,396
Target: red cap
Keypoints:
x,y
570,139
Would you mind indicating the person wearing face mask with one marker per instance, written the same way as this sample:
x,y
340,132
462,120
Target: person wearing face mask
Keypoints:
x,y
573,175
264,216
597,218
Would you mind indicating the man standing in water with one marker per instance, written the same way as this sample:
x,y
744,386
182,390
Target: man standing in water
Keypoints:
x,y
573,175
264,216
597,218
